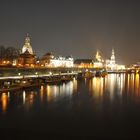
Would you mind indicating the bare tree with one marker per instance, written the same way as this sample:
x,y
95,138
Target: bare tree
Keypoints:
x,y
2,52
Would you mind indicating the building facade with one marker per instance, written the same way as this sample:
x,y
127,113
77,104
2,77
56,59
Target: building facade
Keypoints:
x,y
27,57
48,60
111,63
84,63
99,62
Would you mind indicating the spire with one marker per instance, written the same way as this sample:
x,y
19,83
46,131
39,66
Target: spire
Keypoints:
x,y
113,55
27,39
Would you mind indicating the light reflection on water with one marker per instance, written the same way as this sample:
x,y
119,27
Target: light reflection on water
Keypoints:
x,y
4,102
55,92
112,86
115,85
28,99
96,87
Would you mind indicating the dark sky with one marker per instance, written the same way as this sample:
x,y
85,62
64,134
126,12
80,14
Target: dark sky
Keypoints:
x,y
74,27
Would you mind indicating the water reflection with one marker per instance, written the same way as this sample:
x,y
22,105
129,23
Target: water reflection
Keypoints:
x,y
115,84
74,85
42,90
28,99
55,92
133,85
137,84
96,87
4,102
24,97
114,87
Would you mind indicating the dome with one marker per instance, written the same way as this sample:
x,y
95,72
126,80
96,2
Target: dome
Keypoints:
x,y
27,46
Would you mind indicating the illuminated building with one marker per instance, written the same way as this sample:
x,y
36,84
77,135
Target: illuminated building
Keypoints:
x,y
121,67
61,62
111,63
83,63
48,60
98,57
99,62
27,57
27,46
45,60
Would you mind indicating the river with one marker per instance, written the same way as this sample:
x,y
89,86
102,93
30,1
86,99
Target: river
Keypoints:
x,y
86,108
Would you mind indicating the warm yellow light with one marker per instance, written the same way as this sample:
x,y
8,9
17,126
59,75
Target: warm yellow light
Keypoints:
x,y
4,100
24,97
20,65
4,62
32,65
14,64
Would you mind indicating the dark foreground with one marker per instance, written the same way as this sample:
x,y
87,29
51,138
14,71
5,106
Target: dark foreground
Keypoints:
x,y
99,108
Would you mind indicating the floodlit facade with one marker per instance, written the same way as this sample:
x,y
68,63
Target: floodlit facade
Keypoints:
x,y
48,60
111,63
83,63
121,67
99,62
61,62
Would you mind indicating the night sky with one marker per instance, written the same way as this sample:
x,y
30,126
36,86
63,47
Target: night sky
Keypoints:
x,y
74,27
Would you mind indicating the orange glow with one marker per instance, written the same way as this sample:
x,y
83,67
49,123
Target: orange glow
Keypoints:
x,y
48,93
84,65
32,65
4,62
137,84
4,101
97,87
128,82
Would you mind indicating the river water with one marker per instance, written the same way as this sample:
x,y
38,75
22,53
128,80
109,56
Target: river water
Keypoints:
x,y
87,108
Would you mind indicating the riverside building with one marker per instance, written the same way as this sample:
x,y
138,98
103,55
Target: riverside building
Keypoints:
x,y
27,57
49,60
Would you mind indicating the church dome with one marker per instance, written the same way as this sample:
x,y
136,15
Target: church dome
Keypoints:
x,y
27,46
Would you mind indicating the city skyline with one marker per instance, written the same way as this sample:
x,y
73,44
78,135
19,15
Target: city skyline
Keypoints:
x,y
76,28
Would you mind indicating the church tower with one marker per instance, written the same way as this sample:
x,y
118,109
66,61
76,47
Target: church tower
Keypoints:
x,y
27,58
98,57
113,57
27,46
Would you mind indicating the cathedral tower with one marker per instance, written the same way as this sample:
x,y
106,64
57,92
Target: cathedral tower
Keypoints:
x,y
113,57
